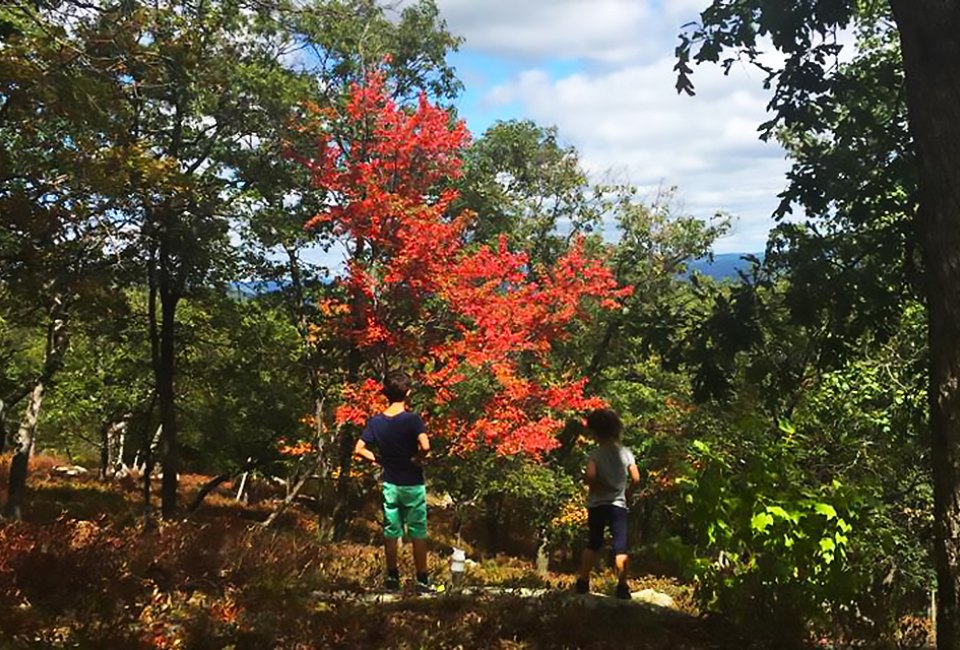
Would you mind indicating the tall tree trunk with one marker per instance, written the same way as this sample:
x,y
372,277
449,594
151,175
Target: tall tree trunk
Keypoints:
x,y
930,40
147,451
169,452
309,356
344,506
23,449
12,400
149,461
309,353
25,439
358,318
599,357
3,426
105,450
166,285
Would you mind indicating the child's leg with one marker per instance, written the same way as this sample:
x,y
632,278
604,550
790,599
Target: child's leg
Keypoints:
x,y
420,555
618,531
596,521
390,545
587,560
392,527
621,561
415,519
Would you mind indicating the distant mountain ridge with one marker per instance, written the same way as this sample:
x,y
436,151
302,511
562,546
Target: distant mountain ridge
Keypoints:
x,y
723,267
249,289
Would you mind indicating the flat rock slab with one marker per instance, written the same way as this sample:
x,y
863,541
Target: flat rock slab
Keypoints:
x,y
642,598
355,597
656,600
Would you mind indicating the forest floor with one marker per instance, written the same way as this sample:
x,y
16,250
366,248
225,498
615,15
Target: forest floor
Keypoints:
x,y
82,572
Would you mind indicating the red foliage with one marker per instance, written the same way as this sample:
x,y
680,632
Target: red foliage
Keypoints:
x,y
380,176
359,401
415,292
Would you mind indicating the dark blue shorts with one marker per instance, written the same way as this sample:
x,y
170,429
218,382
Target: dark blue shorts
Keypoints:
x,y
601,517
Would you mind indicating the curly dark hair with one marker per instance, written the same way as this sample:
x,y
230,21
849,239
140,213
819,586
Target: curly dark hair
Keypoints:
x,y
605,425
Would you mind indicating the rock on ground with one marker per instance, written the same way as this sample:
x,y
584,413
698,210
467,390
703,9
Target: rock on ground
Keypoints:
x,y
654,597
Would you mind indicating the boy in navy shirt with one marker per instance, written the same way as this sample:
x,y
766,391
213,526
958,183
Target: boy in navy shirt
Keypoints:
x,y
400,438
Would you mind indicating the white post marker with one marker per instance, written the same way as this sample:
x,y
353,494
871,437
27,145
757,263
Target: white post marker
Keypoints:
x,y
457,561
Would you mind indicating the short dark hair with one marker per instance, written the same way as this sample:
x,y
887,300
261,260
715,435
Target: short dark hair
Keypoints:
x,y
604,424
396,385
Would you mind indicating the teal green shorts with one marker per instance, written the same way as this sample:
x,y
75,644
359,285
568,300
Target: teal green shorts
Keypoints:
x,y
404,511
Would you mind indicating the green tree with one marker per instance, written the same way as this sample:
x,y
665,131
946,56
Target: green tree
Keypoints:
x,y
103,394
520,181
778,407
242,388
655,243
803,86
58,196
156,126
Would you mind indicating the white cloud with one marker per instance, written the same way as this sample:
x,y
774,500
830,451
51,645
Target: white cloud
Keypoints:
x,y
630,119
609,31
620,108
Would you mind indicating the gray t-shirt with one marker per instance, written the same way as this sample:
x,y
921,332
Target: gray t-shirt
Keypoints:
x,y
610,488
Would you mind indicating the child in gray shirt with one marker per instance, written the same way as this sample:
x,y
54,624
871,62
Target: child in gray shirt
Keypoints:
x,y
608,468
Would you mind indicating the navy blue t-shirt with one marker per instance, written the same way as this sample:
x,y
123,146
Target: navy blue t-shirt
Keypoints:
x,y
395,438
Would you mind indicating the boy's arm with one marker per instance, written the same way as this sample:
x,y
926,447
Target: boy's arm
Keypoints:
x,y
423,448
423,443
361,450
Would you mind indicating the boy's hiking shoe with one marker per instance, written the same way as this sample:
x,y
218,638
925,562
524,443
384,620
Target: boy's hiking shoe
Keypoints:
x,y
623,592
391,584
424,588
582,587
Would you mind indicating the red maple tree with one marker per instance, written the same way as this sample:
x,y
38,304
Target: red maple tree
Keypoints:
x,y
419,297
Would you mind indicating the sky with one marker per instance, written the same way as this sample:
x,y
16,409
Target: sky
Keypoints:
x,y
601,71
